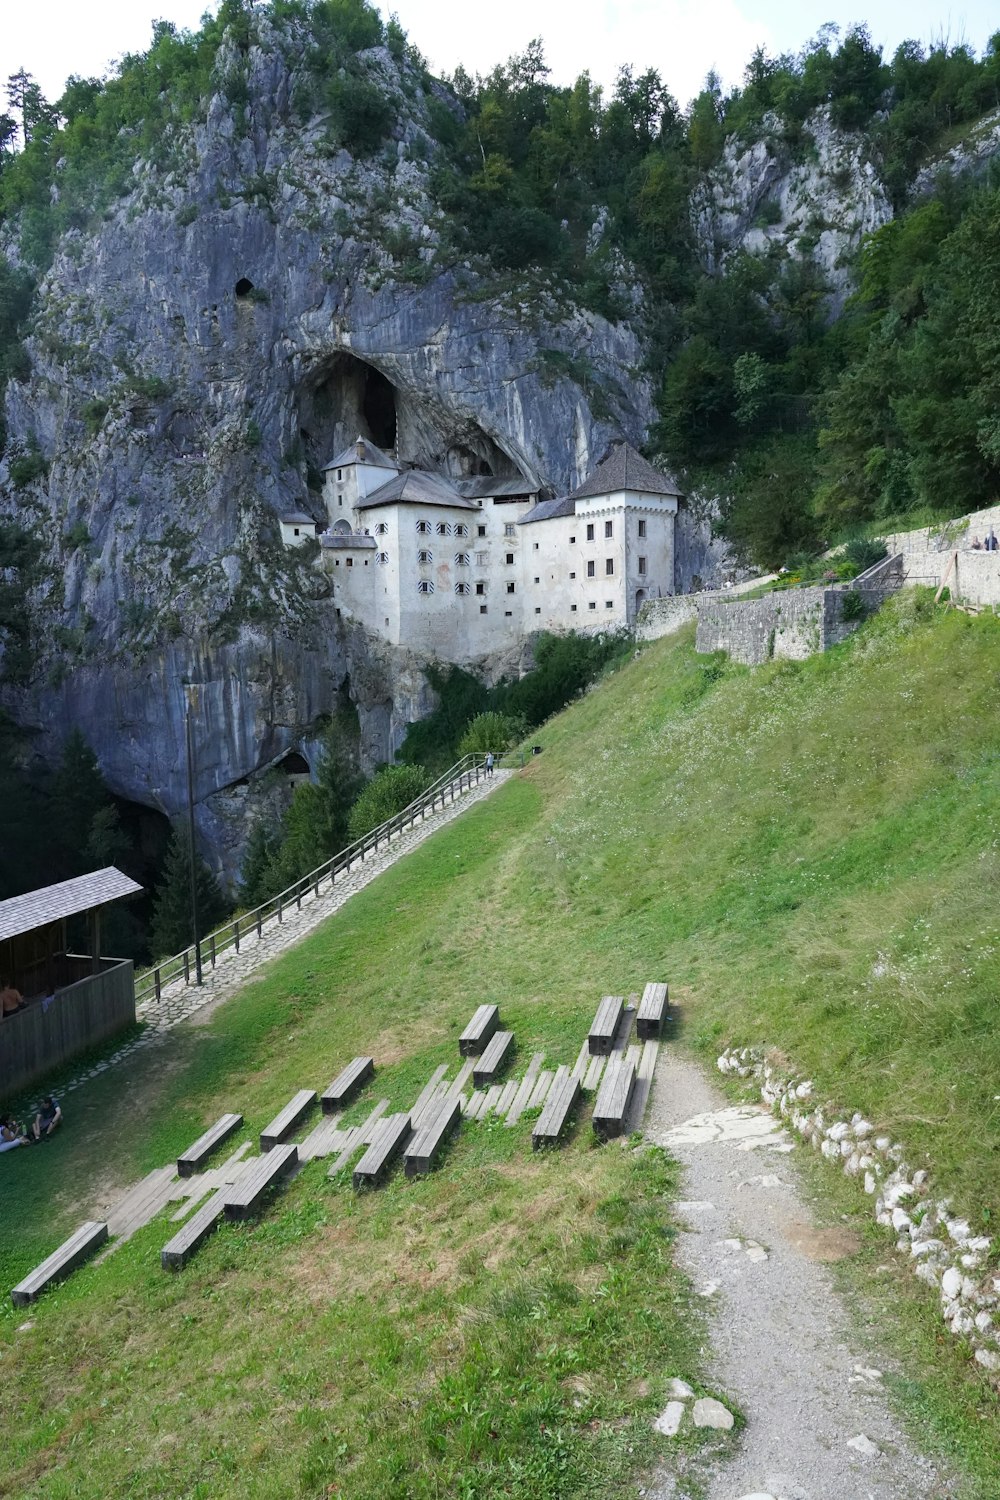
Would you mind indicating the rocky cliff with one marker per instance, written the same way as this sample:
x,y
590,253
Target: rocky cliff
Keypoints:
x,y
257,298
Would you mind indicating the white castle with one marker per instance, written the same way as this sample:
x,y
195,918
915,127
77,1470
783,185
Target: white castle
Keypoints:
x,y
460,568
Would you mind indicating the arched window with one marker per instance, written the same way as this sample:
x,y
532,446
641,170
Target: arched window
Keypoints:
x,y
461,559
463,588
425,557
423,528
381,559
424,586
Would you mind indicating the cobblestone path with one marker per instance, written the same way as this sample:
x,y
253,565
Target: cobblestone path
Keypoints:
x,y
180,1001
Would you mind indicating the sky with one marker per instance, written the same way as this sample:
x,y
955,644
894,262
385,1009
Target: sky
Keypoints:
x,y
683,39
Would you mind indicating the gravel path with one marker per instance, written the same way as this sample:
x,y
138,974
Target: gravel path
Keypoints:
x,y
184,1002
818,1422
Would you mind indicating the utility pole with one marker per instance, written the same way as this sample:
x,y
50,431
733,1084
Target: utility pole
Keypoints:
x,y
192,697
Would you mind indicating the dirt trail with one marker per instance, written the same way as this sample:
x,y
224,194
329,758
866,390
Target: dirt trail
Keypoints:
x,y
818,1422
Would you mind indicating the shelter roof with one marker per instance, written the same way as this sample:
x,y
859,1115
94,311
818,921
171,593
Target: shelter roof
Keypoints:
x,y
67,899
622,468
297,518
415,487
361,451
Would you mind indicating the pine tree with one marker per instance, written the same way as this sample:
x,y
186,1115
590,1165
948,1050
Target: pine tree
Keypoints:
x,y
170,930
78,795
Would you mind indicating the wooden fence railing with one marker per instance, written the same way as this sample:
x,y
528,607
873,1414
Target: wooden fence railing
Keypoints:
x,y
465,773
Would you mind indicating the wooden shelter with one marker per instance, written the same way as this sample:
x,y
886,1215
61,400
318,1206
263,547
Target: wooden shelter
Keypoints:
x,y
72,1001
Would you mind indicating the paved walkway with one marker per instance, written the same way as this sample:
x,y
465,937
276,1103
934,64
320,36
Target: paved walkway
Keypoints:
x,y
180,1001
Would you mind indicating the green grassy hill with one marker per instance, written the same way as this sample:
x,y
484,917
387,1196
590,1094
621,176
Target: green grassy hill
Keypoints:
x,y
808,853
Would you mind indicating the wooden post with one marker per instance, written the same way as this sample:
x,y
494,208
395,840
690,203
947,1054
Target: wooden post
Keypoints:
x,y
259,919
187,967
280,910
212,948
156,983
95,940
236,934
947,575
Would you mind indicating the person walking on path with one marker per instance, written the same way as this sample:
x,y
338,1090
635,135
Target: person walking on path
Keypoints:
x,y
489,762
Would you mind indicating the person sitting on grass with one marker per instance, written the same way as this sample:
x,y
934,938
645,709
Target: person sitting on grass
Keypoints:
x,y
11,1134
47,1118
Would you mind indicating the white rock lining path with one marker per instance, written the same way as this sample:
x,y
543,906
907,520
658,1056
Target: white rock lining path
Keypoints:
x,y
180,1001
941,1246
781,1346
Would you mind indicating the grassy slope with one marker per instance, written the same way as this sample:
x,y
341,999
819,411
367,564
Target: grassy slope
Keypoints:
x,y
807,852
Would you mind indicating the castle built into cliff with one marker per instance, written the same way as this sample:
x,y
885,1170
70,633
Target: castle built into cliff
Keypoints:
x,y
461,568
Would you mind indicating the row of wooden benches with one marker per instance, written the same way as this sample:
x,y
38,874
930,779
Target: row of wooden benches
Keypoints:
x,y
418,1139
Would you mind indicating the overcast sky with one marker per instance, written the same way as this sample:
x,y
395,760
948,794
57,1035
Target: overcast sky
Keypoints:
x,y
682,38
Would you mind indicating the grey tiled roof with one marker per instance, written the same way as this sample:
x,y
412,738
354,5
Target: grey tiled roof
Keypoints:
x,y
625,469
414,487
545,510
67,899
362,451
484,487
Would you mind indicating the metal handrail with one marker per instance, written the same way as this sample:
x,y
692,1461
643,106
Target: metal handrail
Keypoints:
x,y
464,774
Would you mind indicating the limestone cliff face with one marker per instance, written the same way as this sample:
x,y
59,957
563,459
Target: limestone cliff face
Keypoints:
x,y
248,307
815,208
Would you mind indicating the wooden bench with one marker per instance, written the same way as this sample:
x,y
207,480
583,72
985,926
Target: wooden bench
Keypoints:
x,y
246,1193
293,1114
347,1084
195,1156
71,1253
652,1012
613,1098
494,1059
479,1031
606,1022
562,1097
390,1137
435,1127
179,1250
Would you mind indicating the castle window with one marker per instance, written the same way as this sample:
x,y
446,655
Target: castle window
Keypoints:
x,y
609,566
349,561
462,588
642,565
590,532
481,559
572,541
480,530
382,558
609,528
509,613
424,556
444,528
461,529
536,546
572,575
340,475
538,609
423,528
591,605
642,528
591,569
482,609
538,580
425,586
381,528
508,529
608,604
573,608
480,588
510,558
461,559
510,588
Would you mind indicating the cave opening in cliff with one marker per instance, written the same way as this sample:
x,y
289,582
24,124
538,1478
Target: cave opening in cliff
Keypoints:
x,y
244,287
